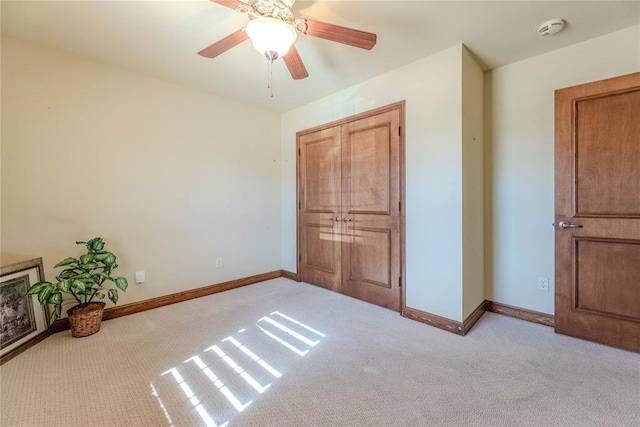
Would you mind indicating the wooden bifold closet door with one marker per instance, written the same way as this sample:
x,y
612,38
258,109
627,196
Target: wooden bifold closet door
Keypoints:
x,y
349,206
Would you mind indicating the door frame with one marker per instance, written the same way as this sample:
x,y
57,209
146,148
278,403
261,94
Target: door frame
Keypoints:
x,y
400,106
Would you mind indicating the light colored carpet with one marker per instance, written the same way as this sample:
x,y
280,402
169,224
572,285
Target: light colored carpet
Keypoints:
x,y
290,354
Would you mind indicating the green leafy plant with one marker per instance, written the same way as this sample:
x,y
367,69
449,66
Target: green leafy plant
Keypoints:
x,y
83,278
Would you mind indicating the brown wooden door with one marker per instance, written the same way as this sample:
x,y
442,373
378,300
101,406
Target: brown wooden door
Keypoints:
x,y
349,194
371,205
598,211
319,228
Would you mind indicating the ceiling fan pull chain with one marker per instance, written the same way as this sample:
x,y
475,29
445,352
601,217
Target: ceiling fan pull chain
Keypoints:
x,y
270,78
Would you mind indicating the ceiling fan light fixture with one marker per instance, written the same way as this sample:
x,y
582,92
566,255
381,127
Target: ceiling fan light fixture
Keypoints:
x,y
271,37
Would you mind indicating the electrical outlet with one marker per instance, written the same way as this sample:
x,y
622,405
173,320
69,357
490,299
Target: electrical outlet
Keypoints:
x,y
543,283
218,262
140,276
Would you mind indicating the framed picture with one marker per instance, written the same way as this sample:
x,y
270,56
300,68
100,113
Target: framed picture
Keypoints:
x,y
22,318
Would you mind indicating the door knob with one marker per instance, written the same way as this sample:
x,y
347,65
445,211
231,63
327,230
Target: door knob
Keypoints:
x,y
345,219
567,224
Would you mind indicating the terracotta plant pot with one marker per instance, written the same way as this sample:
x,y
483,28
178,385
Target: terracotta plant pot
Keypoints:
x,y
85,320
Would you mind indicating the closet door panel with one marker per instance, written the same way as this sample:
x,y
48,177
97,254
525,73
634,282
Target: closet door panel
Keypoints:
x,y
322,174
371,256
368,169
320,184
320,247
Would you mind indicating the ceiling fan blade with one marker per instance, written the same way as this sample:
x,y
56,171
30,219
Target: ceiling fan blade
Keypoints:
x,y
339,34
294,64
231,4
221,46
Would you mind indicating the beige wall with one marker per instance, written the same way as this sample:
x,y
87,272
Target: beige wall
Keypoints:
x,y
174,178
170,177
432,88
519,164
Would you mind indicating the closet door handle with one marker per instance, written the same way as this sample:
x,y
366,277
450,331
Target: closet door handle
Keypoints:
x,y
345,219
336,219
567,224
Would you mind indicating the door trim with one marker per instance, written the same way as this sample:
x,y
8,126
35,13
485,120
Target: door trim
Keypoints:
x,y
400,106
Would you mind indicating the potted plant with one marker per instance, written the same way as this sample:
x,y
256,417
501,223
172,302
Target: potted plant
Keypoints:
x,y
84,280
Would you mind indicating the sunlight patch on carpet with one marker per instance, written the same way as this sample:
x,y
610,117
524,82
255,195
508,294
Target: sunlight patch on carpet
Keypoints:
x,y
239,368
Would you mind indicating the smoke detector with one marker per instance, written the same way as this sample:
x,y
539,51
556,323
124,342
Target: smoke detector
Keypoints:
x,y
551,27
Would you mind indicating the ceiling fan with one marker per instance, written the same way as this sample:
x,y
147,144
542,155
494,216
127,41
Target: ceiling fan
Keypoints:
x,y
272,30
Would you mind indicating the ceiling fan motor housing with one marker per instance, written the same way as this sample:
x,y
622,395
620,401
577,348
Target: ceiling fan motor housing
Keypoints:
x,y
270,9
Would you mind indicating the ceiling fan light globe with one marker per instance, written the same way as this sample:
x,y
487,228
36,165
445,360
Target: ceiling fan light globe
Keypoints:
x,y
269,35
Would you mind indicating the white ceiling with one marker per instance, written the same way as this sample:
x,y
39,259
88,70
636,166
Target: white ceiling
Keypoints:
x,y
162,38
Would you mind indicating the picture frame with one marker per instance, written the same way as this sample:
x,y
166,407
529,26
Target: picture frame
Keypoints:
x,y
23,320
